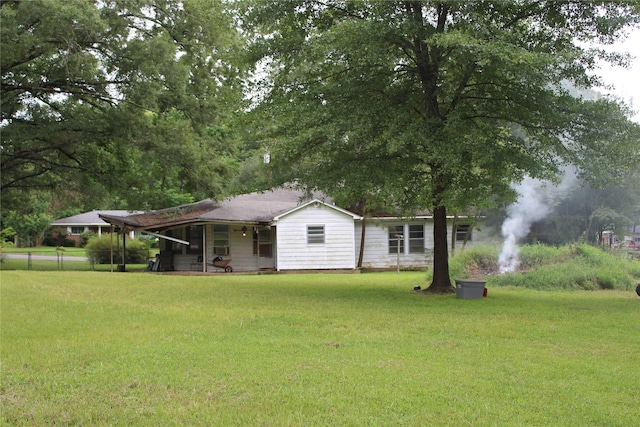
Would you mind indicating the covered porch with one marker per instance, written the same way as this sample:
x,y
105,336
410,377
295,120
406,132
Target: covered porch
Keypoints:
x,y
217,247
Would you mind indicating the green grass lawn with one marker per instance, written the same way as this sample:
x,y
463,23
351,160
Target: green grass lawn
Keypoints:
x,y
94,348
61,259
65,264
46,250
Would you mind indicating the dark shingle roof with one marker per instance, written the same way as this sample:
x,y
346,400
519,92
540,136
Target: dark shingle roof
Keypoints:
x,y
259,207
90,218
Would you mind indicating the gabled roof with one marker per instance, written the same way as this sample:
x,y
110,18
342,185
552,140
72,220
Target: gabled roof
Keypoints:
x,y
89,218
252,208
317,202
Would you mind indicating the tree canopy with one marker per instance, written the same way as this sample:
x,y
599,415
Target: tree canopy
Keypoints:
x,y
435,104
125,98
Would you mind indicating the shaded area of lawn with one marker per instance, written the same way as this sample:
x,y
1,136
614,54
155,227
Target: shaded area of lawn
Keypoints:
x,y
146,349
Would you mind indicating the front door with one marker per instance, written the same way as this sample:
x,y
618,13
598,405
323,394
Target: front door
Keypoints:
x,y
263,247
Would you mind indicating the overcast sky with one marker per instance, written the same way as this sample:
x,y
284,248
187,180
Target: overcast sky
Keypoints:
x,y
626,81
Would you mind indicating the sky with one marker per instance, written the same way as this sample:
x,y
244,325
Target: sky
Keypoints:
x,y
626,81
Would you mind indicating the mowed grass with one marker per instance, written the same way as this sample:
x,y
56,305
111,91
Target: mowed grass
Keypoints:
x,y
94,348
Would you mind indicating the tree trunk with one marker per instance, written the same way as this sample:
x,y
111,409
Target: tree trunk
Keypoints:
x,y
441,282
361,254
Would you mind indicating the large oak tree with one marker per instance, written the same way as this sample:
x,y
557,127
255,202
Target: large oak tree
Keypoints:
x,y
436,104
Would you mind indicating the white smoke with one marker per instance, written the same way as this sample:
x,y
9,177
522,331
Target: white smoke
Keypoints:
x,y
531,206
535,201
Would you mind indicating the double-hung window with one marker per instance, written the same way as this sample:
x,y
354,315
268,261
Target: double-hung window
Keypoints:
x,y
416,239
221,239
463,232
396,239
77,230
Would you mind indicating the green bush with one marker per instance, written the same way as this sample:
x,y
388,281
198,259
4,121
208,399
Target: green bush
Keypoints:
x,y
100,248
576,266
474,260
49,240
68,243
534,256
84,238
150,241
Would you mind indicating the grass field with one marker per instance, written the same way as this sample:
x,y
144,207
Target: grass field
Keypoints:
x,y
70,259
94,348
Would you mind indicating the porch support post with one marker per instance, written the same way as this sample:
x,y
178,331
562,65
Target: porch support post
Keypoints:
x,y
258,245
124,250
204,248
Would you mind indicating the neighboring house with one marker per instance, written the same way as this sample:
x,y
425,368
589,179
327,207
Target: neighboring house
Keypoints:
x,y
73,226
635,235
280,230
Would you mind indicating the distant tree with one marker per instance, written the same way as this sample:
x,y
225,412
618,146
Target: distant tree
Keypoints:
x,y
29,226
7,234
586,212
437,104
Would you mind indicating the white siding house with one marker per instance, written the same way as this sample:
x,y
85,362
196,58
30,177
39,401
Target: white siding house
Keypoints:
x,y
383,249
285,229
315,235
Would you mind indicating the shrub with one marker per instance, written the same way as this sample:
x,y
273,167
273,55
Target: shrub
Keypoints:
x,y
100,248
84,238
534,256
150,241
474,261
49,240
6,234
575,266
591,254
68,243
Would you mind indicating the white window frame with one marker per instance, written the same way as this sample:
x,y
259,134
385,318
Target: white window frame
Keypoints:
x,y
73,230
315,234
221,239
392,240
416,244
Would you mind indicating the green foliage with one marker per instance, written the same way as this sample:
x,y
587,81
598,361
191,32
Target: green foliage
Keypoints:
x,y
84,238
479,259
535,256
67,243
100,248
49,240
29,227
7,234
544,267
151,242
119,98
